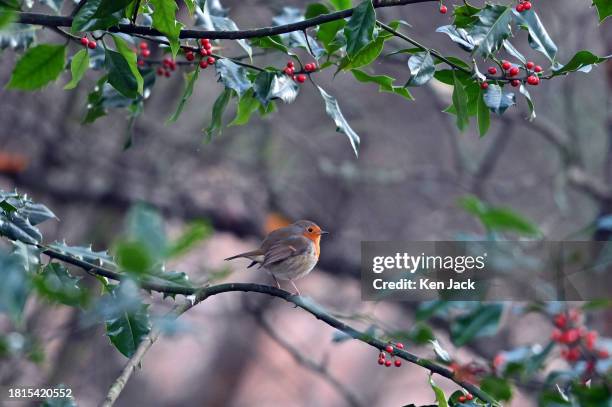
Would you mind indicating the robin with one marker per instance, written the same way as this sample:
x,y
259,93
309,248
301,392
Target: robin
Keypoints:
x,y
288,253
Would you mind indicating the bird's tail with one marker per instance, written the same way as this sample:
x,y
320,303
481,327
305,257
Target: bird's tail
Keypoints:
x,y
252,255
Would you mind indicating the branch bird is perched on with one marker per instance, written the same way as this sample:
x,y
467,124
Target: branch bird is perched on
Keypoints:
x,y
288,253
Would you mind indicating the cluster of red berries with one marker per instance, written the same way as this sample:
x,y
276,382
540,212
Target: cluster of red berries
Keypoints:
x,y
86,42
144,52
168,65
290,71
578,341
443,9
523,5
205,53
382,357
464,398
512,70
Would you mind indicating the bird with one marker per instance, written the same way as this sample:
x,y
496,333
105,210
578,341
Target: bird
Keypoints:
x,y
288,253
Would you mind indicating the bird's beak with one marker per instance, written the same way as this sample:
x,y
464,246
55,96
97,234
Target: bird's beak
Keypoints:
x,y
324,232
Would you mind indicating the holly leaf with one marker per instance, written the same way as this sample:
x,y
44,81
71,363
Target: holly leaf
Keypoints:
x,y
216,123
120,74
359,30
604,9
525,92
38,67
366,56
215,19
465,16
385,83
333,110
17,36
482,321
78,66
190,80
459,36
497,100
108,7
295,39
491,29
440,397
130,57
233,76
247,105
460,102
498,218
538,36
86,19
514,52
56,284
128,329
582,61
483,114
164,19
422,69
85,253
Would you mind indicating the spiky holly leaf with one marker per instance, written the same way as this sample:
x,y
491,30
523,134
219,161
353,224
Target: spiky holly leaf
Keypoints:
x,y
491,29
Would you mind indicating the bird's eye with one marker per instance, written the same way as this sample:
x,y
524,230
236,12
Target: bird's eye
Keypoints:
x,y
310,230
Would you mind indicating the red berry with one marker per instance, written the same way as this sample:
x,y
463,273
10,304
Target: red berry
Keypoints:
x,y
520,7
145,53
513,71
603,354
387,363
469,396
203,52
389,349
143,45
589,340
537,69
571,355
204,41
92,45
492,70
203,64
527,5
398,363
529,65
533,80
462,399
515,83
160,71
290,64
381,355
167,74
443,9
399,345
172,64
381,361
288,71
570,336
211,60
310,67
559,320
84,41
556,335
189,56
301,78
506,65
484,85
141,62
498,360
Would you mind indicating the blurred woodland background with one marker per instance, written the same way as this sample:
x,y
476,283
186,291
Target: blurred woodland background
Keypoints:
x,y
250,350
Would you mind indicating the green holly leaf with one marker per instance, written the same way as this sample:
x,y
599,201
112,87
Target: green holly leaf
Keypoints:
x,y
247,105
216,123
491,29
120,74
460,102
130,57
108,7
86,19
483,114
16,283
604,9
359,30
482,321
128,329
341,4
78,66
56,284
422,69
190,80
497,100
497,387
164,19
440,397
496,218
582,61
465,16
525,92
385,83
233,76
333,110
459,36
366,56
538,36
38,67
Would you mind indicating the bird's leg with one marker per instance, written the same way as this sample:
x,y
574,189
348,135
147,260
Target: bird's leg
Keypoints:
x,y
276,281
296,289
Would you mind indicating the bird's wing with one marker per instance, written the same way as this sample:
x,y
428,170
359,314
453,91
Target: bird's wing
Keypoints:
x,y
281,250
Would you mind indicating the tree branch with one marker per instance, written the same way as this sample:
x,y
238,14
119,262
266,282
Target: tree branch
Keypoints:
x,y
305,303
63,21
